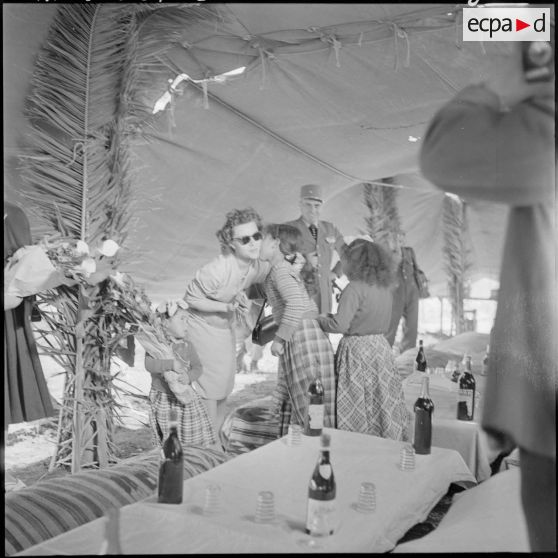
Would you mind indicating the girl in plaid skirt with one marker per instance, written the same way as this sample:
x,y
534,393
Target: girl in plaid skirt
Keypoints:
x,y
303,349
171,386
369,391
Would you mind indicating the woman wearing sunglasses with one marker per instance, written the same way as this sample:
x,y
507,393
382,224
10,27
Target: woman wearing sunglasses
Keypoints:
x,y
217,300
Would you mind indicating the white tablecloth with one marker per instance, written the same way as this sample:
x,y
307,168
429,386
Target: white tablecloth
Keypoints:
x,y
404,498
466,437
487,518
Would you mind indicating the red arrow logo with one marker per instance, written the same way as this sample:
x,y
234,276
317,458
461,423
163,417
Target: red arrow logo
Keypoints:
x,y
519,25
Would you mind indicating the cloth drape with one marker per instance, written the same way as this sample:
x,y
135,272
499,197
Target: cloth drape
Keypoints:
x,y
26,395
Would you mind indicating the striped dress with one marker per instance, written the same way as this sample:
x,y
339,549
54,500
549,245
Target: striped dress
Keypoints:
x,y
307,350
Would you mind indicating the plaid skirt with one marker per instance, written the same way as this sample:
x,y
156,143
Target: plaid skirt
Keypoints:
x,y
194,426
369,390
307,355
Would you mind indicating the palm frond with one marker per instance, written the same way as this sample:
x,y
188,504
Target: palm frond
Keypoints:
x,y
78,182
74,110
390,207
84,107
383,222
456,256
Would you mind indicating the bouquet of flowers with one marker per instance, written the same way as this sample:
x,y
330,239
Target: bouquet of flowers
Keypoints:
x,y
147,326
54,261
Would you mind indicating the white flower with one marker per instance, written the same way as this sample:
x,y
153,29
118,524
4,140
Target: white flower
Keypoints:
x,y
109,248
88,266
81,248
118,278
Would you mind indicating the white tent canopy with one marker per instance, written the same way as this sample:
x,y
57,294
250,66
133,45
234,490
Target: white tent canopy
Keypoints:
x,y
336,94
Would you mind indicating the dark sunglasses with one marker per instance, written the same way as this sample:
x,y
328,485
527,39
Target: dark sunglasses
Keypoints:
x,y
246,239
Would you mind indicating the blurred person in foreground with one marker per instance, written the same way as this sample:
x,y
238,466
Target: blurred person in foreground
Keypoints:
x,y
495,141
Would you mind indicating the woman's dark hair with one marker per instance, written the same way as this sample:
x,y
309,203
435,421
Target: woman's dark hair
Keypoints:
x,y
288,236
369,262
232,219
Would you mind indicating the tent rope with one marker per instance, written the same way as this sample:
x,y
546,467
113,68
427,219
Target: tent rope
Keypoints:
x,y
330,39
399,32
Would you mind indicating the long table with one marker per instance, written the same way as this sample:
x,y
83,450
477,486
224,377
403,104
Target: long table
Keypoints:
x,y
466,437
403,498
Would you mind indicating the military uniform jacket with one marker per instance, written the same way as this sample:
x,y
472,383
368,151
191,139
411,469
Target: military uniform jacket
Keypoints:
x,y
329,241
406,268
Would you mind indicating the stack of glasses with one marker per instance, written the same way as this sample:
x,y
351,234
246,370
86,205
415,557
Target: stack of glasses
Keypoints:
x,y
294,435
407,460
212,503
265,508
366,497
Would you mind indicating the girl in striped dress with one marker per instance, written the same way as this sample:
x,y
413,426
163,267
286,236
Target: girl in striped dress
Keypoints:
x,y
303,349
171,386
369,391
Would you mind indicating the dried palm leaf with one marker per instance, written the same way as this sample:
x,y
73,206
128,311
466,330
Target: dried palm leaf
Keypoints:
x,y
77,177
383,223
456,256
76,174
85,102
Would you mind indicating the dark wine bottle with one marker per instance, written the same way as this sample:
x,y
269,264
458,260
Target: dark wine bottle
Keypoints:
x,y
171,469
421,358
466,393
424,407
320,515
314,421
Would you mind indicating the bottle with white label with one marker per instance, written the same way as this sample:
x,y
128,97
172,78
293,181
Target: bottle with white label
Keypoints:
x,y
314,421
320,516
466,392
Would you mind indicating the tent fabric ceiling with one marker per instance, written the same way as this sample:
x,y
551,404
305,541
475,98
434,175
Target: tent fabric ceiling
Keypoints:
x,y
336,94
